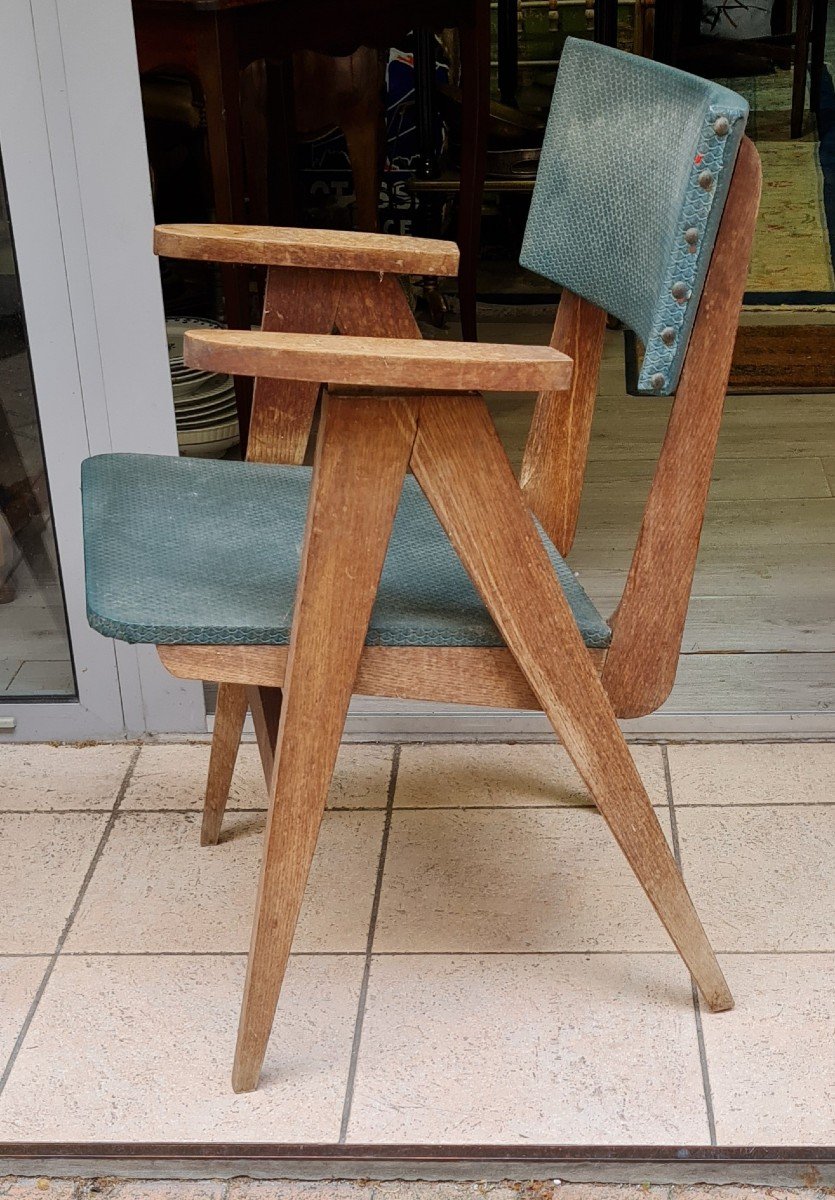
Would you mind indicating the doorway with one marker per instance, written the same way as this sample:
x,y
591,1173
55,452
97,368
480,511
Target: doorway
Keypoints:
x,y
81,345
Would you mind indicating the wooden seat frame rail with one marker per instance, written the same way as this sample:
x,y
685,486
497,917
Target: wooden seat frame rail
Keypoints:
x,y
299,694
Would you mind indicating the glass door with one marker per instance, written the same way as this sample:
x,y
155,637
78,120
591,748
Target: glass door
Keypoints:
x,y
83,364
35,655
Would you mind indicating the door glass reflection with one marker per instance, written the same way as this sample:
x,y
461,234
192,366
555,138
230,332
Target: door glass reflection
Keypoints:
x,y
35,657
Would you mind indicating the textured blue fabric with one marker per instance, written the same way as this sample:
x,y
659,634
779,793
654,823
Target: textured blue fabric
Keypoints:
x,y
198,552
635,169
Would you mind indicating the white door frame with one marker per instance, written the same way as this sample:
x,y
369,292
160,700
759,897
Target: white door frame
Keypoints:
x,y
78,189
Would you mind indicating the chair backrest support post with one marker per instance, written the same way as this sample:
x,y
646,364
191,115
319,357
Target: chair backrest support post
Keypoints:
x,y
648,624
554,462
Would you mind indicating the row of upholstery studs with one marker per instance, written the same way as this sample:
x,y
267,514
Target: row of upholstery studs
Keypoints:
x,y
680,291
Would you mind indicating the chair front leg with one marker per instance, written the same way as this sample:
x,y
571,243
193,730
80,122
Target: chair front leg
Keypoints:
x,y
461,466
361,459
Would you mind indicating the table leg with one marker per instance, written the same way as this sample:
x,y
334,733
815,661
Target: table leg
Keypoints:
x,y
508,50
475,115
606,22
801,65
819,15
220,79
283,183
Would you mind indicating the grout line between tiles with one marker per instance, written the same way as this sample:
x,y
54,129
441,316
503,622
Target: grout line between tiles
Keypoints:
x,y
708,1090
372,927
53,959
377,808
589,952
697,1011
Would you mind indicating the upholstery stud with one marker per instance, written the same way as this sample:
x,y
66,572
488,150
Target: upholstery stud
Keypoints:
x,y
658,381
668,335
680,292
721,127
691,236
706,180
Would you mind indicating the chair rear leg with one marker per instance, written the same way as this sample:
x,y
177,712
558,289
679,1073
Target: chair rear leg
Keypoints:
x,y
230,715
265,706
461,466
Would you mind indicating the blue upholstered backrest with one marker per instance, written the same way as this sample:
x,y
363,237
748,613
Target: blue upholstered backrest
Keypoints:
x,y
635,169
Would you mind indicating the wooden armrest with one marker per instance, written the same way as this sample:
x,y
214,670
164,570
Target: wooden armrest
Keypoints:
x,y
394,363
333,250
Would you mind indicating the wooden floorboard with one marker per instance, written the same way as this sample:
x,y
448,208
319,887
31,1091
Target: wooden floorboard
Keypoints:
x,y
749,683
796,478
755,624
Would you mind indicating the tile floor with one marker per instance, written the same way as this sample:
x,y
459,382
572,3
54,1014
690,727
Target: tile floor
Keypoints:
x,y
474,961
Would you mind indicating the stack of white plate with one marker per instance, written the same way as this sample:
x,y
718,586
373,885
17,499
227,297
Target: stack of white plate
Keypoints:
x,y
204,402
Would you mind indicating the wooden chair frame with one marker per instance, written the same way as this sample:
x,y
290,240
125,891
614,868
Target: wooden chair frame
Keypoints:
x,y
299,694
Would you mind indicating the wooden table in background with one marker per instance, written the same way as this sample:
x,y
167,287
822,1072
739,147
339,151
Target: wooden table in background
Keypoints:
x,y
213,41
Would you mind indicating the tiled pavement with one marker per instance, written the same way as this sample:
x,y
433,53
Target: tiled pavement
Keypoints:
x,y
366,1189
474,961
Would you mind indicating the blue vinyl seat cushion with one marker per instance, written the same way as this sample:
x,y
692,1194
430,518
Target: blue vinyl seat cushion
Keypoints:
x,y
200,552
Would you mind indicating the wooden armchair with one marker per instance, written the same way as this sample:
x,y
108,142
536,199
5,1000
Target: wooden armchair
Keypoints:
x,y
294,589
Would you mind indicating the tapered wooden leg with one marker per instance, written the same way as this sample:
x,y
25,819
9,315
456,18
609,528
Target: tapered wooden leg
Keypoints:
x,y
230,714
361,458
461,466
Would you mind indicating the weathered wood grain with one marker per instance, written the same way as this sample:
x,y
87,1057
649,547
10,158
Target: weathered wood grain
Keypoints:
x,y
447,674
349,523
325,249
229,723
295,301
398,363
554,463
649,621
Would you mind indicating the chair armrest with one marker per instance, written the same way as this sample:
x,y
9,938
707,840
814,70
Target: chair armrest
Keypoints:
x,y
391,363
333,250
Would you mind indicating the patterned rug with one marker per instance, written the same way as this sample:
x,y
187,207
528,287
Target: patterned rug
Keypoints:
x,y
794,248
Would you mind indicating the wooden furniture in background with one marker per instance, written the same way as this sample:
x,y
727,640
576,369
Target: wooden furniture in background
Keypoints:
x,y
214,41
605,31
809,35
677,40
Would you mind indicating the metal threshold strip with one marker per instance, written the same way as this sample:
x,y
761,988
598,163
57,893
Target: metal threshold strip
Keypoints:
x,y
786,1166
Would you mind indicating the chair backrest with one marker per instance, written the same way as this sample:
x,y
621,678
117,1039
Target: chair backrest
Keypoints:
x,y
634,174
